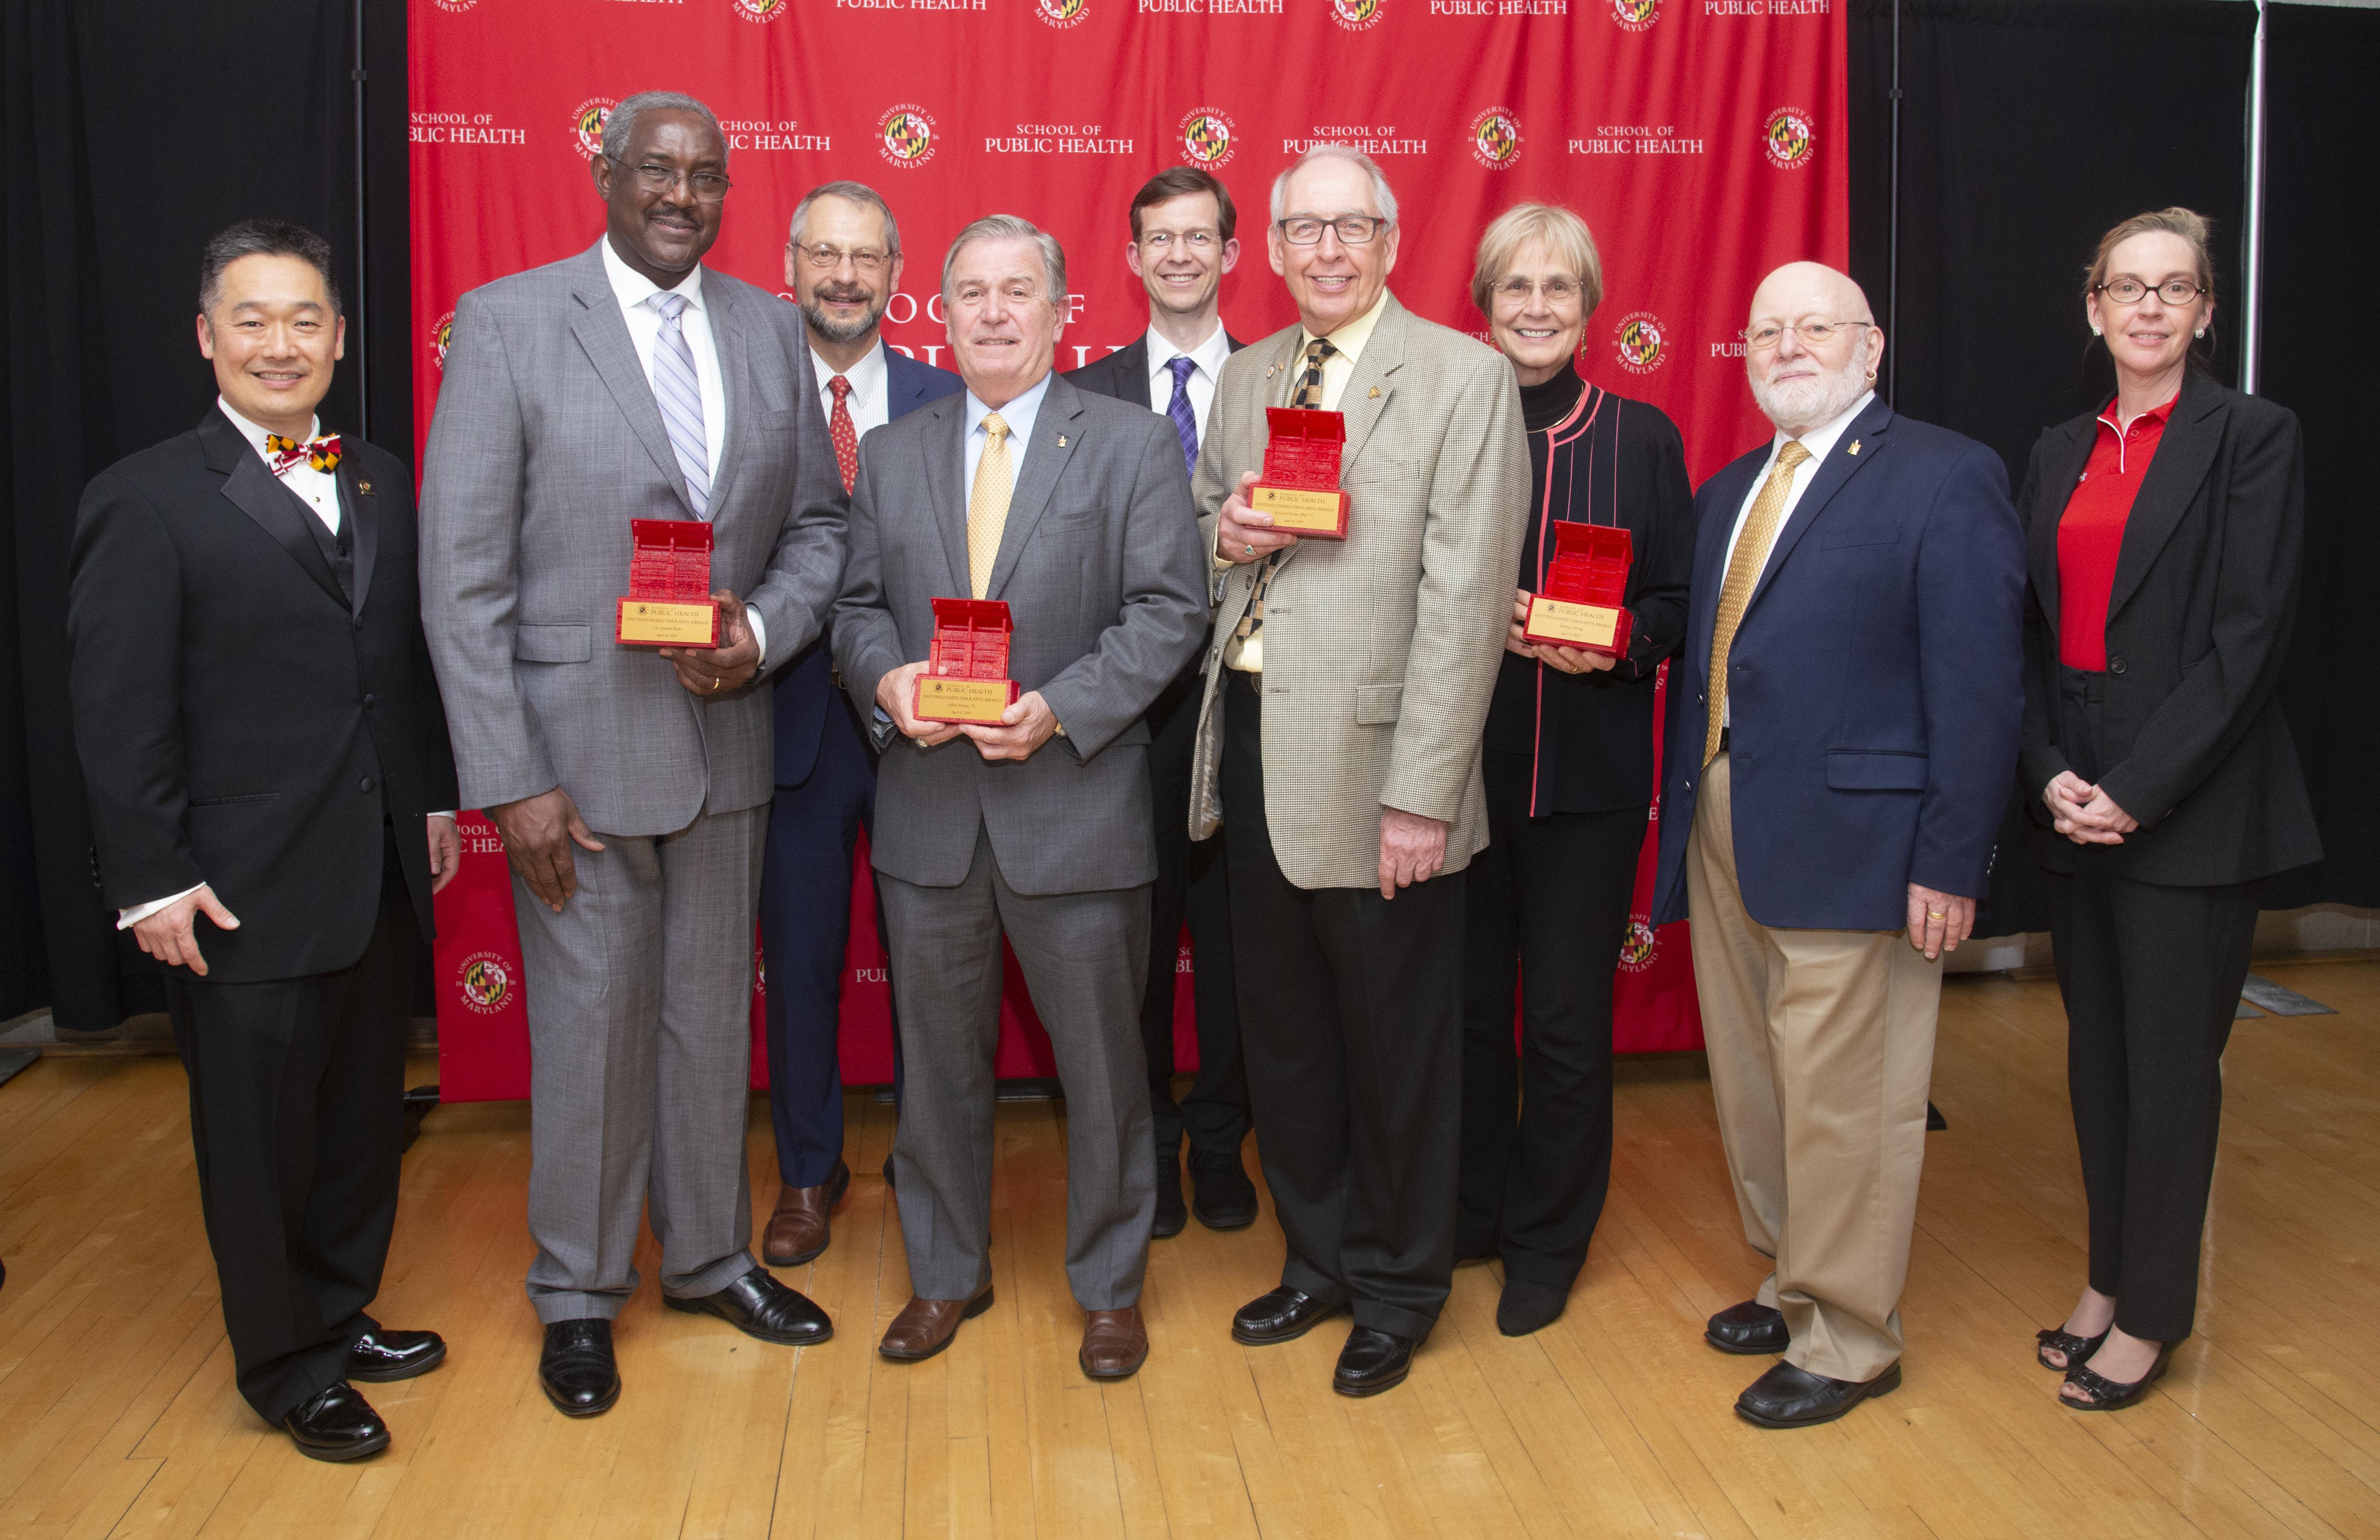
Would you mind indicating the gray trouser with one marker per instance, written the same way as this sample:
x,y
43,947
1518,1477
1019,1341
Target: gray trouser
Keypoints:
x,y
1084,956
639,1020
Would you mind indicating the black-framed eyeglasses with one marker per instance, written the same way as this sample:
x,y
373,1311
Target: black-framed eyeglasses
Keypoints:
x,y
709,186
827,257
1815,333
2132,291
1161,241
1354,229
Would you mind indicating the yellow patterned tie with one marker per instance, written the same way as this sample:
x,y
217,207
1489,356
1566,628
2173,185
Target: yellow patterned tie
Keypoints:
x,y
1742,576
988,504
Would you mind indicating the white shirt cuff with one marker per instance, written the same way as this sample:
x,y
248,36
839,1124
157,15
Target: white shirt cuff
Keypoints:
x,y
127,918
759,634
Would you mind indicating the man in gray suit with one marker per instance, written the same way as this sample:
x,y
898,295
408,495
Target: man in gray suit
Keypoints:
x,y
631,788
1074,510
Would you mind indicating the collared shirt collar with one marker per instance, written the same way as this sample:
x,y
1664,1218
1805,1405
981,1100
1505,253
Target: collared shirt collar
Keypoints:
x,y
867,376
2156,414
1819,440
255,435
1350,338
1209,356
633,288
1018,414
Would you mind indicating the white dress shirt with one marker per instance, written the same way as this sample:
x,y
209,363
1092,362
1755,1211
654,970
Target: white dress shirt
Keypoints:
x,y
1817,440
632,288
1019,415
870,403
1208,356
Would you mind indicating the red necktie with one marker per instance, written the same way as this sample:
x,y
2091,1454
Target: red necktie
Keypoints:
x,y
846,437
322,454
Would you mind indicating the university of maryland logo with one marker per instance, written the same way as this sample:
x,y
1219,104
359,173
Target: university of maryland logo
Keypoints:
x,y
1496,138
1640,343
586,126
1637,947
1357,16
1062,14
1789,137
487,984
442,336
1208,137
905,136
1635,16
761,10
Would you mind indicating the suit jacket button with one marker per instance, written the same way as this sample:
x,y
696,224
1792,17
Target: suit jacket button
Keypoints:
x,y
2115,665
366,784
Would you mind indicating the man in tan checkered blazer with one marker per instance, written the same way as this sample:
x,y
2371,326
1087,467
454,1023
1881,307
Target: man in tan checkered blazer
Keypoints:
x,y
1338,748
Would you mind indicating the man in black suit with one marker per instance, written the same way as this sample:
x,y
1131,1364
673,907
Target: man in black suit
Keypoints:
x,y
265,747
843,261
1184,240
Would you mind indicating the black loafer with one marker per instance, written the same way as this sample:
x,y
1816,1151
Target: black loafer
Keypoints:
x,y
1372,1362
576,1370
381,1355
758,1305
1172,1216
1223,1197
1749,1328
338,1425
1282,1316
1790,1395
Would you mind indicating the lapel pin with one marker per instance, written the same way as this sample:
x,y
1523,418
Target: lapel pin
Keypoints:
x,y
364,486
1061,440
1376,392
1854,449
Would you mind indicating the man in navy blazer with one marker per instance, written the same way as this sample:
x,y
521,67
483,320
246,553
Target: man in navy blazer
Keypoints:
x,y
843,261
1842,731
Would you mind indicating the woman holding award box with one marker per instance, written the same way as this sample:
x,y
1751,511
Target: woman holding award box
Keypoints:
x,y
1568,765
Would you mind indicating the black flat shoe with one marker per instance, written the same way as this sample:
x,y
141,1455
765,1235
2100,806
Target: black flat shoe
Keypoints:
x,y
1372,1362
1790,1395
1282,1316
1173,1215
338,1425
2108,1395
381,1355
1749,1328
1525,1307
576,1370
758,1305
2078,1350
1223,1197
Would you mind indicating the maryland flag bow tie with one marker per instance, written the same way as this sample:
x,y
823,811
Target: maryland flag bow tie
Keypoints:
x,y
322,454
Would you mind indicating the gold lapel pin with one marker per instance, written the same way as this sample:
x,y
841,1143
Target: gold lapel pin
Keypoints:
x,y
1061,440
364,486
1376,392
1854,449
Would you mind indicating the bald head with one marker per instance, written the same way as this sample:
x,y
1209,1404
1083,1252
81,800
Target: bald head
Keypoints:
x,y
1802,380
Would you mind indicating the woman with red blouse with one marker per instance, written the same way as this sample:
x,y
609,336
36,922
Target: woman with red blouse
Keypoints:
x,y
2165,536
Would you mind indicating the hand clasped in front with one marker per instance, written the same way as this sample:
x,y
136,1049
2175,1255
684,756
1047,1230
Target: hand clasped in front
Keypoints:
x,y
715,670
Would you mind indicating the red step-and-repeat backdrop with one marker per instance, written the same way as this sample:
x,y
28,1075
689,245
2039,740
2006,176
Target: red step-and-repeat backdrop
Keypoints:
x,y
1704,140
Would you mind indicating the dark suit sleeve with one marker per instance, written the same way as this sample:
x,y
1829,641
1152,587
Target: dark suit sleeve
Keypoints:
x,y
804,570
2255,607
124,625
1099,695
1970,594
2039,759
867,638
1666,565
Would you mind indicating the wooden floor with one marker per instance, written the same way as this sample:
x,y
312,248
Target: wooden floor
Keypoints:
x,y
117,1414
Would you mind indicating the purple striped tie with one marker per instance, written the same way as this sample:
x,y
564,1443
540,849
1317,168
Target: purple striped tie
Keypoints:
x,y
1186,421
680,399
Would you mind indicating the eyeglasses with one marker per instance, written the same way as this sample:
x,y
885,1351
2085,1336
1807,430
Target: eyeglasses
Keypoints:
x,y
2132,291
1816,334
1161,241
1558,291
709,186
1354,229
826,257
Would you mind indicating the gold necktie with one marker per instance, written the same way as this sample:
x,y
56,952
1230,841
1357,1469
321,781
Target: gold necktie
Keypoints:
x,y
988,504
1243,651
1742,576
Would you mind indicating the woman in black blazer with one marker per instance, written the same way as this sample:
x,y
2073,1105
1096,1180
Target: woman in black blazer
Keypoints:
x,y
1569,757
2165,537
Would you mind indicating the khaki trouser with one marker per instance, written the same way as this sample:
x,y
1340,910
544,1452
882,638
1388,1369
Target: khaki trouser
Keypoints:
x,y
1821,1047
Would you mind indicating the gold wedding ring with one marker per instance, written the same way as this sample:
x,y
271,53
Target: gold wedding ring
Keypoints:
x,y
1936,914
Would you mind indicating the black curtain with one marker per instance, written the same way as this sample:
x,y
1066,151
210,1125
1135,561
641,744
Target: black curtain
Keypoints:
x,y
133,132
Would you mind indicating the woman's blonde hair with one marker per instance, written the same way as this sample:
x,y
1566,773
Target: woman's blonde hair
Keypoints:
x,y
1559,231
2191,225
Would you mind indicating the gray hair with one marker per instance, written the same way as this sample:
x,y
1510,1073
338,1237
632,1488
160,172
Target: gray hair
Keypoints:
x,y
621,126
1010,227
262,237
850,192
1381,197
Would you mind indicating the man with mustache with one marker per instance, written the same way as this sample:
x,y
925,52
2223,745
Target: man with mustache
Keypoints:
x,y
631,785
1842,730
843,261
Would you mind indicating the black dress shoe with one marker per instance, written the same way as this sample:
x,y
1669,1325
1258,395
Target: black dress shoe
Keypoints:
x,y
1223,1197
381,1355
1790,1395
1749,1328
2102,1394
758,1305
337,1425
1172,1216
1282,1316
576,1370
1372,1362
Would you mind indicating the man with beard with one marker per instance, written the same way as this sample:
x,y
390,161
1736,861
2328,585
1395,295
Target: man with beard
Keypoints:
x,y
1843,726
843,261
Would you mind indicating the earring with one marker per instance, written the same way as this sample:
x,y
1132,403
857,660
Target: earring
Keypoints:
x,y
2200,333
1871,377
2096,333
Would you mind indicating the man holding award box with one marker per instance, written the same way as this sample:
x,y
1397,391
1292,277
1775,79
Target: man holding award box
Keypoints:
x,y
1338,748
1026,536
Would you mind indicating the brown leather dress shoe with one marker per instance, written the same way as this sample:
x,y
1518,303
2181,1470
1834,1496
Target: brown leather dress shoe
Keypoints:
x,y
925,1328
798,1230
1115,1343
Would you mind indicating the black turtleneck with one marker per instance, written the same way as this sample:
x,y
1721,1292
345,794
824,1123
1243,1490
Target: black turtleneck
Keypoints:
x,y
1547,403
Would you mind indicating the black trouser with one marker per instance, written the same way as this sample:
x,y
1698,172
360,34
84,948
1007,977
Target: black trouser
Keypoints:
x,y
1351,1012
298,1116
1192,877
1545,908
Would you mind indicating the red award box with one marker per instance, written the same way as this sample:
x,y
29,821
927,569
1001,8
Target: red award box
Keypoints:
x,y
1300,485
1585,584
669,603
967,664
